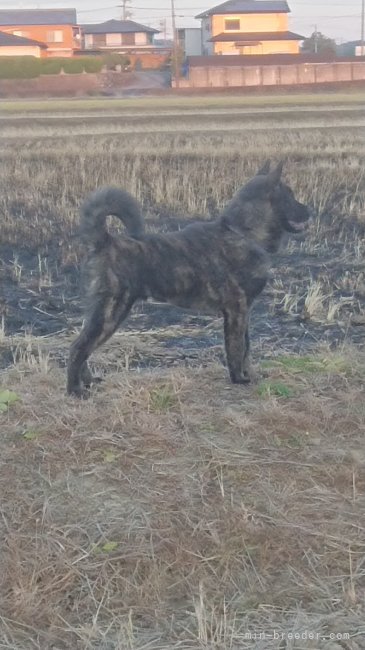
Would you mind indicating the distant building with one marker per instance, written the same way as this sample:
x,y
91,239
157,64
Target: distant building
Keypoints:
x,y
248,27
118,35
57,29
11,45
352,48
190,40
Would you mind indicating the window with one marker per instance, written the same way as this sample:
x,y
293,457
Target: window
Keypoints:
x,y
232,25
97,40
89,42
113,39
128,39
141,38
55,36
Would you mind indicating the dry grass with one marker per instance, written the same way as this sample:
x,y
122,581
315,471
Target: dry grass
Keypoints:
x,y
177,162
173,511
141,520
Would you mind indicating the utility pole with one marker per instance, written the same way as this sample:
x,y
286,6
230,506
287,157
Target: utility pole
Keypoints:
x,y
164,29
315,40
175,48
126,14
362,26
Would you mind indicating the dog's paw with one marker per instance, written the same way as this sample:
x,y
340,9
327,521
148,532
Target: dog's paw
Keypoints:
x,y
241,379
253,376
82,393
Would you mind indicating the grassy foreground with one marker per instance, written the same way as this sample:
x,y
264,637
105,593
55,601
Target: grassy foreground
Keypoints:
x,y
173,511
141,520
181,102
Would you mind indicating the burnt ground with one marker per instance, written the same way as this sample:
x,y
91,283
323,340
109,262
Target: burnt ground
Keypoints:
x,y
41,297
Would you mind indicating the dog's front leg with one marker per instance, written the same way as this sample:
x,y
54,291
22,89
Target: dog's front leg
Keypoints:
x,y
236,341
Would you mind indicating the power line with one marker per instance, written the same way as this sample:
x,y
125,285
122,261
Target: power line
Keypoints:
x,y
125,14
328,17
83,11
90,11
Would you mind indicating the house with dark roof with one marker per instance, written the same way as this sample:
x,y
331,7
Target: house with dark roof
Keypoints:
x,y
118,36
248,27
11,45
57,29
351,48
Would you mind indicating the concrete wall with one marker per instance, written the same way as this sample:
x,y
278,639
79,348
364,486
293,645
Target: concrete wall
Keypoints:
x,y
273,75
67,85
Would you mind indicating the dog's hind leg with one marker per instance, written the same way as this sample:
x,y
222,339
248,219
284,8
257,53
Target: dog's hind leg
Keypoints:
x,y
236,341
100,325
246,361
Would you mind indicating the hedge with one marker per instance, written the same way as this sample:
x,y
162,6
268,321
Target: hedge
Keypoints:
x,y
73,66
19,67
93,64
51,66
30,67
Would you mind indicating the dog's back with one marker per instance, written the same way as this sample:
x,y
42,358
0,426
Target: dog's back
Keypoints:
x,y
201,266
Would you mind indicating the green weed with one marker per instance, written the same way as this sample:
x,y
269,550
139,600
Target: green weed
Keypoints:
x,y
162,399
274,389
7,397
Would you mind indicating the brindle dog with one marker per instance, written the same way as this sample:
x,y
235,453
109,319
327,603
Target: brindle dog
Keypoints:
x,y
220,266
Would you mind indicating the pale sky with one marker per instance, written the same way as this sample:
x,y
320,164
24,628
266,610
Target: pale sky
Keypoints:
x,y
335,18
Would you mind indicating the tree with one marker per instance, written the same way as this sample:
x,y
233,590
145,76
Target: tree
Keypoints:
x,y
319,44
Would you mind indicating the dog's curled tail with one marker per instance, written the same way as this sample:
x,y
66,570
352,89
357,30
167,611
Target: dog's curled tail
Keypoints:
x,y
110,201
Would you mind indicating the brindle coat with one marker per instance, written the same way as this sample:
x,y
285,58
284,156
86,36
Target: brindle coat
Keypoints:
x,y
218,267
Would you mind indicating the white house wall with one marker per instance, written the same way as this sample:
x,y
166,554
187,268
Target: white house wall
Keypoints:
x,y
27,50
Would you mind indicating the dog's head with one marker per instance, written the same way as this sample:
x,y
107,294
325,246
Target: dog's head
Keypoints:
x,y
265,208
292,215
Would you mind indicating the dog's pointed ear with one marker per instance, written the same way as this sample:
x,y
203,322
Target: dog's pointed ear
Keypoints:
x,y
275,176
264,170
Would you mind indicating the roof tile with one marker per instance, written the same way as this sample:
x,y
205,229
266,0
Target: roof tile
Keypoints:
x,y
10,17
117,27
248,7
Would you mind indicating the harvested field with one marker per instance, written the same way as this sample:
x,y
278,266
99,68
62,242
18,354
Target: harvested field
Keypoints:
x,y
174,510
